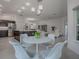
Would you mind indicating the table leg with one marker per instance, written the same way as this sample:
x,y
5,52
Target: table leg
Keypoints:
x,y
37,52
37,48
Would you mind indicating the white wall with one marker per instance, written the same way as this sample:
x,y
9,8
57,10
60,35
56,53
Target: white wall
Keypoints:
x,y
19,20
59,23
20,23
72,43
63,21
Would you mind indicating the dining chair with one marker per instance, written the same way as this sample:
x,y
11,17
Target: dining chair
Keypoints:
x,y
51,36
56,51
22,36
24,44
20,53
49,44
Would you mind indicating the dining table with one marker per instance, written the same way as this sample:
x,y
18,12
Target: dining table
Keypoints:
x,y
37,41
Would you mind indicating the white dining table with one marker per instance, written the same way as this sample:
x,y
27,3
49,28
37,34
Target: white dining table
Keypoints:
x,y
37,41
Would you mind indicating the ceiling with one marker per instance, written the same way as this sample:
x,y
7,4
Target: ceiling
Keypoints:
x,y
52,8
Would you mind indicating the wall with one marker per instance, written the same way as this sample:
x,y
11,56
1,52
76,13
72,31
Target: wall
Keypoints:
x,y
72,43
19,23
19,20
59,23
63,22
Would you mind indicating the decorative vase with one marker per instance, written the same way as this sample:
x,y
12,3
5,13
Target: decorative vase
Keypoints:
x,y
37,34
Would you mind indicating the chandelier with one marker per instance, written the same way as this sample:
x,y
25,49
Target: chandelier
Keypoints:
x,y
39,8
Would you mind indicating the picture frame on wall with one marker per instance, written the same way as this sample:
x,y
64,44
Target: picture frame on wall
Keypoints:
x,y
39,27
42,28
53,28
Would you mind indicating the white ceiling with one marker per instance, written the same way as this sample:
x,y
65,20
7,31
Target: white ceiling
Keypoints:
x,y
52,8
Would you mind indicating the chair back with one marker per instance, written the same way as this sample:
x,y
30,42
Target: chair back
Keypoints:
x,y
56,51
23,36
24,44
20,53
52,36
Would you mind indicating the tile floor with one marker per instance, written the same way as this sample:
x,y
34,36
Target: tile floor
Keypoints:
x,y
7,51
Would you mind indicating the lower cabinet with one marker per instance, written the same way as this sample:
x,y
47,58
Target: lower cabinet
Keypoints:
x,y
3,33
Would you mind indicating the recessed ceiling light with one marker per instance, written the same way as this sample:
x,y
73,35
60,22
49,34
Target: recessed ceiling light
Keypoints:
x,y
1,5
30,19
7,0
27,4
23,7
40,7
38,12
33,9
0,10
19,11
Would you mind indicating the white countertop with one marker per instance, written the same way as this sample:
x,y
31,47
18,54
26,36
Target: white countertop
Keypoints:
x,y
3,28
